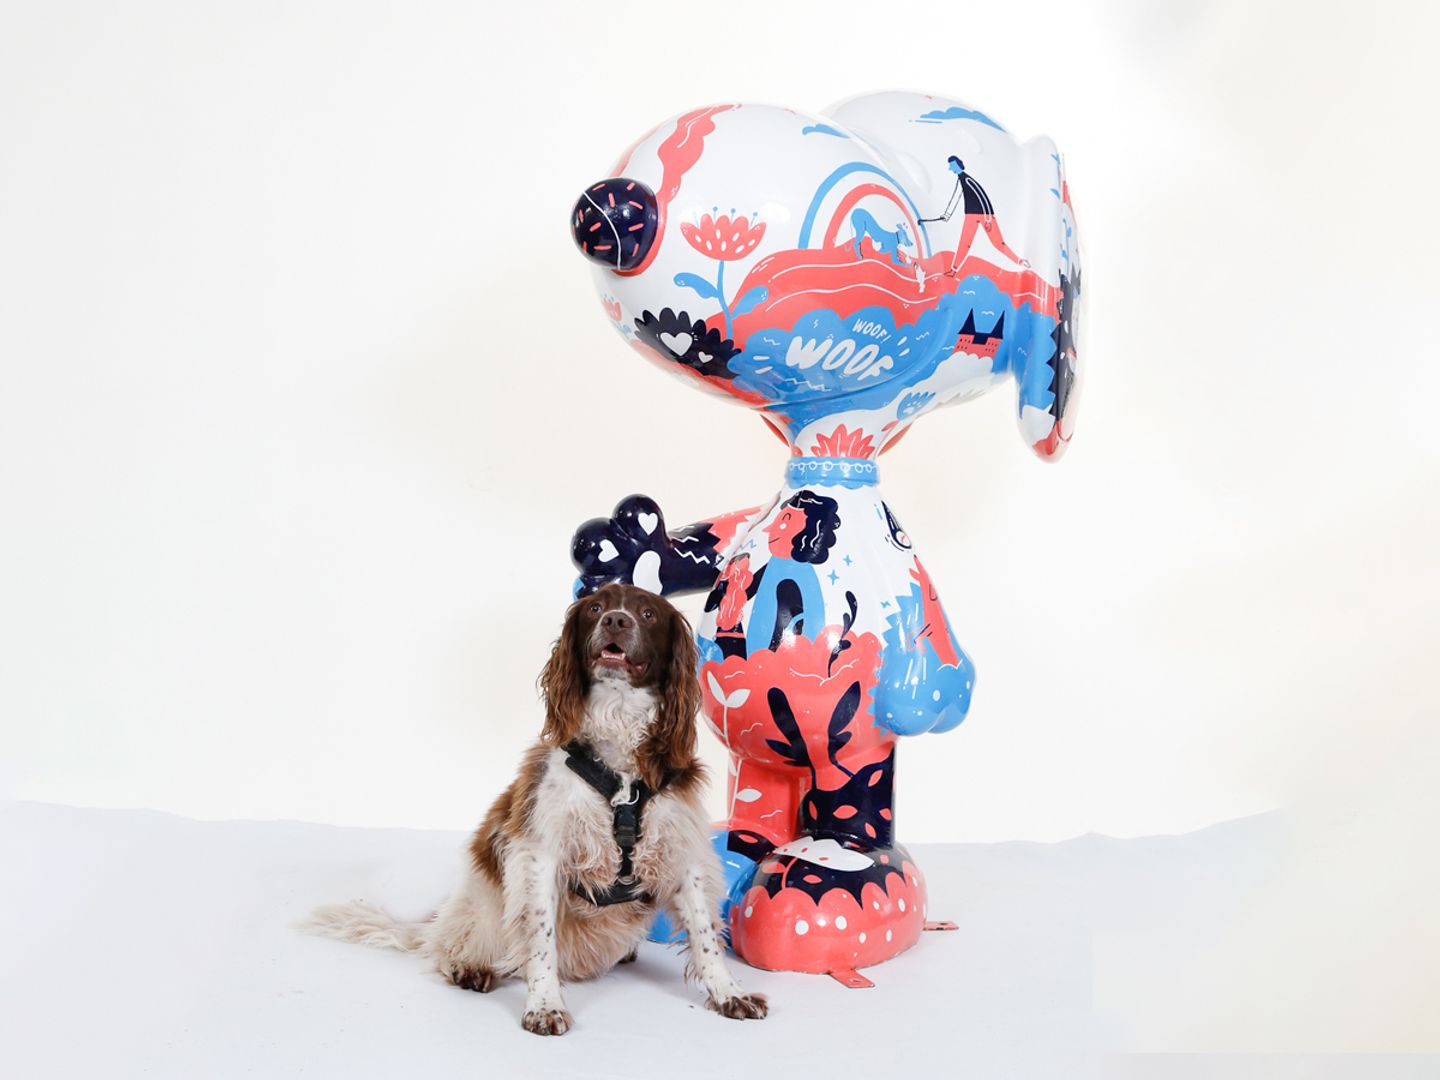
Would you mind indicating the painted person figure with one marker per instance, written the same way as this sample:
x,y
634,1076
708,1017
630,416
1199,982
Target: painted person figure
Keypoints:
x,y
979,214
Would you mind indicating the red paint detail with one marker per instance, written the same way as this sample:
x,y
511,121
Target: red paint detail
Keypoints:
x,y
802,668
1053,445
779,434
885,813
799,281
678,154
767,937
844,812
870,830
934,628
844,443
740,233
894,438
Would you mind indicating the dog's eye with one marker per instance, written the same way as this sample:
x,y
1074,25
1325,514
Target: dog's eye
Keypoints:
x,y
594,609
648,613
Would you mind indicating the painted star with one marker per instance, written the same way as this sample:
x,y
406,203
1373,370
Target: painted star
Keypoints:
x,y
848,560
834,577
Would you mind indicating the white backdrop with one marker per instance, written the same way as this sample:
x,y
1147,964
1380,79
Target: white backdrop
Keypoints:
x,y
304,390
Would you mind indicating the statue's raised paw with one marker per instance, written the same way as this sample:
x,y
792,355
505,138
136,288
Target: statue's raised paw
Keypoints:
x,y
632,547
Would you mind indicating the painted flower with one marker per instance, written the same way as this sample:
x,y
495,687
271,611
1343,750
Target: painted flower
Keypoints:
x,y
725,238
679,338
843,442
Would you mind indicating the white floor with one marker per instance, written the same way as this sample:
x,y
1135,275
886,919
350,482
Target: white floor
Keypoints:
x,y
140,944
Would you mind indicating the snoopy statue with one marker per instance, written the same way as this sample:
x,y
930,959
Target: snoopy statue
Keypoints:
x,y
842,274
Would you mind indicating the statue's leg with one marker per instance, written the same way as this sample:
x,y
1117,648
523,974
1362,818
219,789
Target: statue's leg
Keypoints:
x,y
843,895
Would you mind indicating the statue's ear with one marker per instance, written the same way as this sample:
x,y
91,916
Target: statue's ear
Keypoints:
x,y
1046,360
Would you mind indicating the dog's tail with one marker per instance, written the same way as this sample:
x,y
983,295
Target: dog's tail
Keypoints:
x,y
364,924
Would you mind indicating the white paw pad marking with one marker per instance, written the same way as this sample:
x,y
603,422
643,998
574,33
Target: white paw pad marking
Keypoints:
x,y
646,574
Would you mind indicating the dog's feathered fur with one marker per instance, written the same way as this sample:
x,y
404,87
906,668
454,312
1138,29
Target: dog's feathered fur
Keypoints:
x,y
620,679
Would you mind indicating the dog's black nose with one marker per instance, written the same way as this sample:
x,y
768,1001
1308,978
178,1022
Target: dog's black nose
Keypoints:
x,y
615,222
616,620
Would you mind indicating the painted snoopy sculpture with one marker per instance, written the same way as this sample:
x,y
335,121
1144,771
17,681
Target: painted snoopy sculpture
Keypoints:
x,y
842,274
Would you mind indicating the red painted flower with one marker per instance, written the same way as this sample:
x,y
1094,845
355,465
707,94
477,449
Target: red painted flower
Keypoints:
x,y
844,443
724,238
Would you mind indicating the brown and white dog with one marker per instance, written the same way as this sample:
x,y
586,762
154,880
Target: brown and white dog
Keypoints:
x,y
551,891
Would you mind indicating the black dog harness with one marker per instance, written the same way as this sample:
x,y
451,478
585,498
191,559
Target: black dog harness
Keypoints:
x,y
605,780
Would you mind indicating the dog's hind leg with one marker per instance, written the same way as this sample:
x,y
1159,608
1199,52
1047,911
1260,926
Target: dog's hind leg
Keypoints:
x,y
466,940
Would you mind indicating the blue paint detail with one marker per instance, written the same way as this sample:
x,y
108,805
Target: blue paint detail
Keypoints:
x,y
834,577
823,129
831,472
737,872
695,283
911,404
765,608
751,299
834,178
811,367
955,112
917,693
707,650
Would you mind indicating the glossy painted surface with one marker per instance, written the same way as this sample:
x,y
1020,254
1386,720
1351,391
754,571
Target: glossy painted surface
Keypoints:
x,y
842,274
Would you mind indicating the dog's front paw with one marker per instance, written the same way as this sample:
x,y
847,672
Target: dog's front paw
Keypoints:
x,y
741,1006
547,1021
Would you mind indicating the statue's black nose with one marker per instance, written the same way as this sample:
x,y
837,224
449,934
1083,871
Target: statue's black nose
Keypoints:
x,y
615,222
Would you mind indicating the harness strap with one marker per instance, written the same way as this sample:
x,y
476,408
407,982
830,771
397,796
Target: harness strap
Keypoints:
x,y
625,821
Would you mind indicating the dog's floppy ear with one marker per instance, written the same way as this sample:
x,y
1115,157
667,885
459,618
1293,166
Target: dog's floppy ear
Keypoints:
x,y
563,682
671,744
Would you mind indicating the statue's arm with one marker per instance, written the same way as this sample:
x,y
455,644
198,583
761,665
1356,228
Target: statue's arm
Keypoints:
x,y
633,547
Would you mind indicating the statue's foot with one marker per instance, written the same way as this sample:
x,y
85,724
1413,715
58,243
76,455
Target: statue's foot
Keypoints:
x,y
825,906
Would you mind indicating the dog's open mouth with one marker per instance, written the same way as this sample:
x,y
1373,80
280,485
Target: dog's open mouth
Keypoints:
x,y
612,655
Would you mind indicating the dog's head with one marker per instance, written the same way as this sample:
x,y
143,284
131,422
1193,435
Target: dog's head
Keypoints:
x,y
624,634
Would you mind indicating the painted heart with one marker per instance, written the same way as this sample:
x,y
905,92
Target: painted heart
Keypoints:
x,y
607,551
705,357
679,344
647,522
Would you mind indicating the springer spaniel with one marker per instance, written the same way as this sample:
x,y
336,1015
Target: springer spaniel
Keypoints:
x,y
601,828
